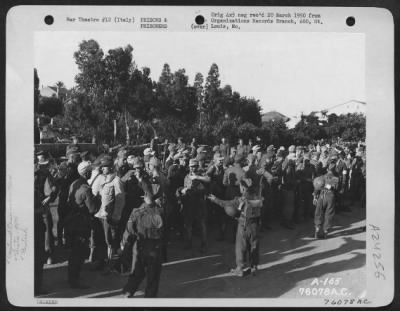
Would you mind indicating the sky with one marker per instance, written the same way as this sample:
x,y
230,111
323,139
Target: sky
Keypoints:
x,y
286,72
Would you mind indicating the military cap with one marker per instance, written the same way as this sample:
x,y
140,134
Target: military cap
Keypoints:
x,y
200,149
218,156
280,154
97,162
256,148
41,153
233,148
72,150
215,148
84,153
155,162
300,148
270,148
201,157
106,161
282,148
193,162
148,151
292,148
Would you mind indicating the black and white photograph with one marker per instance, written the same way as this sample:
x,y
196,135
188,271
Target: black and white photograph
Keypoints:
x,y
200,164
234,170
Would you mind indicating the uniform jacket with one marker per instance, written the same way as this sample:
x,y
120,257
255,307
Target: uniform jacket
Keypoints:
x,y
112,198
144,223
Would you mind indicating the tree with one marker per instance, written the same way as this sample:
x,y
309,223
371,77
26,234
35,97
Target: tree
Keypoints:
x,y
117,67
249,111
60,84
212,94
198,85
50,106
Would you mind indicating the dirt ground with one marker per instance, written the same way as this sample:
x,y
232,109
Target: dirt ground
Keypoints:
x,y
292,263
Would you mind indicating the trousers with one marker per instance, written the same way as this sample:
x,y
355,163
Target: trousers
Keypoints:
x,y
147,263
78,253
247,242
325,210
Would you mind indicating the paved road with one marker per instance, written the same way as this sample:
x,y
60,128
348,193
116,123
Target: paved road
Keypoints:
x,y
290,262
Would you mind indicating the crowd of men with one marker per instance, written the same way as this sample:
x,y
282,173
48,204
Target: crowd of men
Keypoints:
x,y
120,211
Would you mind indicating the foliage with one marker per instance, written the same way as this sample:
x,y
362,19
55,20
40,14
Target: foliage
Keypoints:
x,y
111,87
50,106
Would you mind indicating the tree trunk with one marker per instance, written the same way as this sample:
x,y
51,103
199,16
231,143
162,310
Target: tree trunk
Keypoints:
x,y
127,130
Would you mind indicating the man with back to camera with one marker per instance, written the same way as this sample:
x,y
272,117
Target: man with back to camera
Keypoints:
x,y
78,223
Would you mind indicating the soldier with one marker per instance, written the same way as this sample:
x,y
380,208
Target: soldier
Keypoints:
x,y
194,208
248,208
316,163
230,159
41,212
216,174
112,204
121,166
159,184
241,148
305,173
67,173
256,150
136,183
47,188
265,188
98,247
324,200
341,173
145,230
180,144
224,147
288,191
170,159
82,205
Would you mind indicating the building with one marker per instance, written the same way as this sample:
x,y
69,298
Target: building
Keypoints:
x,y
273,116
54,91
352,106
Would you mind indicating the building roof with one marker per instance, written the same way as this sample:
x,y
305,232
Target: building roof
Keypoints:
x,y
273,116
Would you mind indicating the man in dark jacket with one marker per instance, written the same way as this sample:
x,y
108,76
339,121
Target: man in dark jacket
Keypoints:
x,y
77,223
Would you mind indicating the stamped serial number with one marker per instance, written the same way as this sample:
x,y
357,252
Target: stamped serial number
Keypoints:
x,y
323,291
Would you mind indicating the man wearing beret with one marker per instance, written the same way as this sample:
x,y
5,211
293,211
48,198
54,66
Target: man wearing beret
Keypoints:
x,y
194,208
77,223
